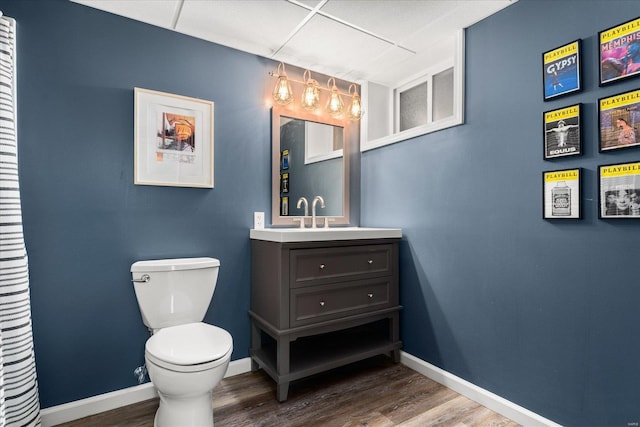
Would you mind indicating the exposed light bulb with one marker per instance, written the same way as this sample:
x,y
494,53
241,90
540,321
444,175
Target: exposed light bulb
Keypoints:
x,y
334,104
355,111
311,93
282,92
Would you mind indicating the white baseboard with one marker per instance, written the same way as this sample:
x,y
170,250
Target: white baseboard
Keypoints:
x,y
128,396
116,399
484,397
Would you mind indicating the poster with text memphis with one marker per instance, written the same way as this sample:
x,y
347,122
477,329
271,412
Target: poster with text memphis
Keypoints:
x,y
619,52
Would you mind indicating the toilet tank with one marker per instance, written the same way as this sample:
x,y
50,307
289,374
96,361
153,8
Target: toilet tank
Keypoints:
x,y
177,291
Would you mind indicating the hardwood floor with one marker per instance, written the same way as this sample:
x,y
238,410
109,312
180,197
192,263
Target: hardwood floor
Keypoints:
x,y
372,393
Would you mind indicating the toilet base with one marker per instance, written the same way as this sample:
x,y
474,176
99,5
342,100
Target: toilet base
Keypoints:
x,y
196,411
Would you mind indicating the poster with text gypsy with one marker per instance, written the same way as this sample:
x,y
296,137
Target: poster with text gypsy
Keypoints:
x,y
561,69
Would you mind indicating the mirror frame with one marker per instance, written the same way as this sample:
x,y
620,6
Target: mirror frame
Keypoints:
x,y
278,111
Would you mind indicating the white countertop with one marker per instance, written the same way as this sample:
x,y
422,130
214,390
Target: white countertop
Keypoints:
x,y
283,235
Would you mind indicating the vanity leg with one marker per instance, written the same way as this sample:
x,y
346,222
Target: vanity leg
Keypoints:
x,y
282,356
394,334
256,344
281,391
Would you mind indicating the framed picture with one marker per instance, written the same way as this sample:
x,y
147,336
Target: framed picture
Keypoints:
x,y
619,190
619,52
561,69
561,194
284,182
284,159
619,120
173,140
562,132
284,206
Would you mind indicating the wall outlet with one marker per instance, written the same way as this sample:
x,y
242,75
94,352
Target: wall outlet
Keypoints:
x,y
258,220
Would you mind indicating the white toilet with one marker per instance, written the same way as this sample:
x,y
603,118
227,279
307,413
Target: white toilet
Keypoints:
x,y
185,358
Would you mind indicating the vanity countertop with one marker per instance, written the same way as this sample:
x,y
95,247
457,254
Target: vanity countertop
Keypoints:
x,y
323,234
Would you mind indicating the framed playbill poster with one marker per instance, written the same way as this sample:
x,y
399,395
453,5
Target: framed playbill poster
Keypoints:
x,y
561,69
619,190
619,120
173,140
620,52
561,194
562,132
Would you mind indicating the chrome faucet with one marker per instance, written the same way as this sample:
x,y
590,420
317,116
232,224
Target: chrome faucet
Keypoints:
x,y
313,209
302,200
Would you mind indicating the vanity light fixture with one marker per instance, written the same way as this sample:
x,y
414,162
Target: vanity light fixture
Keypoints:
x,y
334,103
282,92
355,110
311,93
310,100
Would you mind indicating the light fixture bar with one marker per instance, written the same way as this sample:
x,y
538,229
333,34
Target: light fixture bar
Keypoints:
x,y
283,94
275,74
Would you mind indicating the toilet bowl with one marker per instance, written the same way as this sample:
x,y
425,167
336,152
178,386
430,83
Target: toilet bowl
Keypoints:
x,y
185,363
185,357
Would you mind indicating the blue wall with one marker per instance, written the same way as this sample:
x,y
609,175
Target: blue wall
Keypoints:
x,y
542,313
85,222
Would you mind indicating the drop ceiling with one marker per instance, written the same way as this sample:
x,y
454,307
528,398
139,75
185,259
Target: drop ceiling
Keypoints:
x,y
383,41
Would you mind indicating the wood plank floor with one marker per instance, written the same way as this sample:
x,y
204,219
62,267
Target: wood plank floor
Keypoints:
x,y
372,393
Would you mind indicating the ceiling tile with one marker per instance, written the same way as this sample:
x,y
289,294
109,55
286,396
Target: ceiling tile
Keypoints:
x,y
323,45
330,44
464,15
159,13
394,69
254,26
393,20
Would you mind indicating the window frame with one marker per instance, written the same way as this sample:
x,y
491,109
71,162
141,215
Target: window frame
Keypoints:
x,y
457,62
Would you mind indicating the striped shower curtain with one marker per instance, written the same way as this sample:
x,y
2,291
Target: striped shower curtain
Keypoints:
x,y
19,404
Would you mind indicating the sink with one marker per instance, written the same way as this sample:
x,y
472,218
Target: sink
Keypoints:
x,y
323,234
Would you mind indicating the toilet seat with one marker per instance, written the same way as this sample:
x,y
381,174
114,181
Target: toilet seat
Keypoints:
x,y
190,347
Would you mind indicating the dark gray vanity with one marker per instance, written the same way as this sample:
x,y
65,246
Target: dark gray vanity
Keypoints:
x,y
322,299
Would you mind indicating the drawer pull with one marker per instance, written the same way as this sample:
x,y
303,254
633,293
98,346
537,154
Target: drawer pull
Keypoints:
x,y
321,303
322,266
370,261
370,295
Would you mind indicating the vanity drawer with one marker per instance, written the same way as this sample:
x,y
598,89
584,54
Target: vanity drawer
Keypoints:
x,y
317,266
325,302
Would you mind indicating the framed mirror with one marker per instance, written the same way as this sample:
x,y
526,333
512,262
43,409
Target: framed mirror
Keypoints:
x,y
310,157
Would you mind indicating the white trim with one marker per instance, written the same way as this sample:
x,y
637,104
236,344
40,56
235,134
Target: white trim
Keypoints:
x,y
458,103
117,399
484,397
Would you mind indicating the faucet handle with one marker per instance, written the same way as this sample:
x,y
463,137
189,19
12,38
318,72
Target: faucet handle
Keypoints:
x,y
300,220
326,221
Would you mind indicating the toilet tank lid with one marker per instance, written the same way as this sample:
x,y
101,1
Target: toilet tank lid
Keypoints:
x,y
174,264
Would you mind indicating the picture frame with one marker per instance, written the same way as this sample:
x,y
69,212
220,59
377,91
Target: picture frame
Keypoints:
x,y
619,191
619,121
284,159
562,194
562,130
284,182
562,70
619,52
173,141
